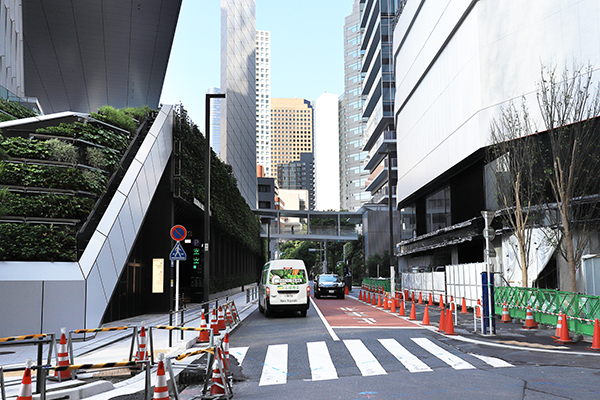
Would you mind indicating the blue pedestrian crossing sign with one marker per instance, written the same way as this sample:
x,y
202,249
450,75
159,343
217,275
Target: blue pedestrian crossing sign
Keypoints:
x,y
177,253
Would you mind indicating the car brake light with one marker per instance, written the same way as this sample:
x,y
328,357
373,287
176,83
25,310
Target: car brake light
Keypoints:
x,y
268,290
308,290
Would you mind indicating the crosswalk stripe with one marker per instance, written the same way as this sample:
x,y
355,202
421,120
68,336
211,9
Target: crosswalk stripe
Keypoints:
x,y
412,363
364,359
275,367
450,359
239,353
321,366
493,361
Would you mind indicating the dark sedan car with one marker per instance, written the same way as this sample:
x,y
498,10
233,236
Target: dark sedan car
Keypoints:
x,y
329,285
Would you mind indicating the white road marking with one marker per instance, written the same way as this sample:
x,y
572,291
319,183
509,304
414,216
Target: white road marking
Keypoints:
x,y
275,367
493,361
450,359
321,366
409,360
364,359
327,326
239,353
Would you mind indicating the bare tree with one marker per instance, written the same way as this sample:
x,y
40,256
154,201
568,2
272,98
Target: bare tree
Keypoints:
x,y
569,107
514,157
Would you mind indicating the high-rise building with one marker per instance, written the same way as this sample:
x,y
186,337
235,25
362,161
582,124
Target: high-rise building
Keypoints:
x,y
215,121
327,157
378,88
263,101
11,47
353,175
299,175
238,82
291,130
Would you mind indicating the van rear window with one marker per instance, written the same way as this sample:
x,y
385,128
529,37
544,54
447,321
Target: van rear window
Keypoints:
x,y
287,276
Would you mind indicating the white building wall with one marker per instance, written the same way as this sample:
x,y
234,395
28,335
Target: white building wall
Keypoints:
x,y
327,157
462,60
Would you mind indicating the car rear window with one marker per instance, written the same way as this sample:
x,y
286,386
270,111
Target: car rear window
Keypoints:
x,y
330,278
287,276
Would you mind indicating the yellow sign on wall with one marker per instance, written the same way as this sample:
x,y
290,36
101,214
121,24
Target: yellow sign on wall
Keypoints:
x,y
158,275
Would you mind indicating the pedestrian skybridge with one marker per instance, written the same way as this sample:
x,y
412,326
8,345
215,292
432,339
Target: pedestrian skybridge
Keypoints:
x,y
310,225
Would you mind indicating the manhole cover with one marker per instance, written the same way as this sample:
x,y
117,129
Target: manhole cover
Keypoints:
x,y
4,353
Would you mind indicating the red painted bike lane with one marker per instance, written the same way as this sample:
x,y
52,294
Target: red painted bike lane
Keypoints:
x,y
351,313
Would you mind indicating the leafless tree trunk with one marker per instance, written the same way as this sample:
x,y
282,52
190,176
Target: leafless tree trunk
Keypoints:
x,y
569,108
519,179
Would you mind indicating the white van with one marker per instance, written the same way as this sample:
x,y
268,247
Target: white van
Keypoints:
x,y
283,286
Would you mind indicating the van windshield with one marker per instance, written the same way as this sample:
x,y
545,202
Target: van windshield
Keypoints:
x,y
287,276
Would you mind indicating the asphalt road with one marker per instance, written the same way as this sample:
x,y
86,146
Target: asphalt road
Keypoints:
x,y
369,354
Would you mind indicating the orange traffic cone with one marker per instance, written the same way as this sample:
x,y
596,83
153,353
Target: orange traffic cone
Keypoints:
x,y
478,309
229,317
420,298
379,301
452,302
346,290
226,350
217,386
449,323
558,326
214,324
401,309
385,303
393,306
596,338
505,315
413,313
430,299
464,306
564,332
204,336
25,390
161,391
529,321
426,316
142,354
441,302
221,320
441,326
62,356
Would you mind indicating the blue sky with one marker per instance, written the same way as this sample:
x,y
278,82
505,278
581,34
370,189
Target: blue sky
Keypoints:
x,y
307,56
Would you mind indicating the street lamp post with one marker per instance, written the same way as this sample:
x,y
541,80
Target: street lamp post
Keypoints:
x,y
207,159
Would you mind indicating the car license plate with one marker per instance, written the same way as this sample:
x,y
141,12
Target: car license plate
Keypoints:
x,y
331,291
287,294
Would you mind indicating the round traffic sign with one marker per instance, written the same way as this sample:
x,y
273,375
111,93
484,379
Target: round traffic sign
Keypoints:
x,y
178,233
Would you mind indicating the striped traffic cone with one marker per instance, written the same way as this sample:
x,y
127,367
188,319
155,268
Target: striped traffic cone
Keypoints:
x,y
529,321
62,356
221,320
217,386
142,354
229,317
204,336
161,391
505,315
25,390
214,324
226,351
558,326
564,337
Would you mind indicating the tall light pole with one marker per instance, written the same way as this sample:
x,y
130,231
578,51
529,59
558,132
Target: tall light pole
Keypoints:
x,y
207,160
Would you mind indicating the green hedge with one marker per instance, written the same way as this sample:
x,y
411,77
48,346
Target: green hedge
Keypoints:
x,y
15,109
25,242
113,139
45,205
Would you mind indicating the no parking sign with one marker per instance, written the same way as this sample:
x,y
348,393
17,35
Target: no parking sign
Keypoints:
x,y
178,233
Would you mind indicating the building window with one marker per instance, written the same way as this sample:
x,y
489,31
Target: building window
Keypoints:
x,y
264,204
437,208
408,222
264,188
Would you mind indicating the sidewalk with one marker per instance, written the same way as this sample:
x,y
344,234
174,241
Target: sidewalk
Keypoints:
x,y
114,346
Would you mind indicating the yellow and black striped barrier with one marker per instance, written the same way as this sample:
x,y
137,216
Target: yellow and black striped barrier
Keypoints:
x,y
210,350
96,366
23,337
115,328
180,328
